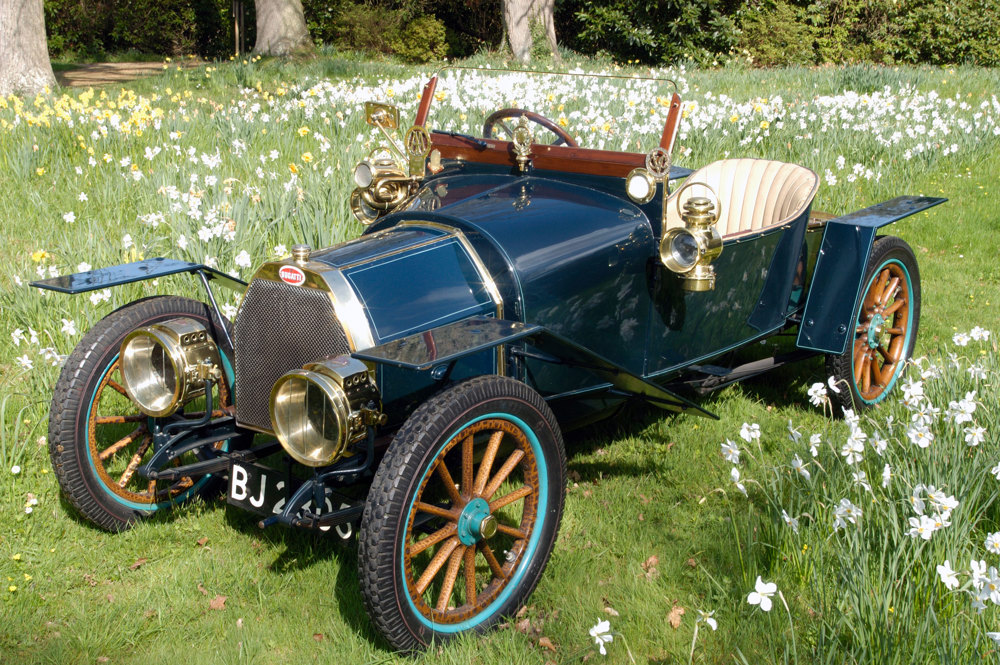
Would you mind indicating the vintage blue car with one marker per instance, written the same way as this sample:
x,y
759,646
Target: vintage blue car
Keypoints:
x,y
414,383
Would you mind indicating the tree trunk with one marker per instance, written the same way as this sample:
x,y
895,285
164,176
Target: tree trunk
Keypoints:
x,y
518,17
281,27
24,54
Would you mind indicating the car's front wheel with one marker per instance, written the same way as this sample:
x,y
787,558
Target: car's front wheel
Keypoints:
x,y
98,438
463,512
885,327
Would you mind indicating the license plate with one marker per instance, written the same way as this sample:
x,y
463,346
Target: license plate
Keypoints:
x,y
265,491
259,489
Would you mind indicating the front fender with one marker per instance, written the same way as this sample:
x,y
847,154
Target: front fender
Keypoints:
x,y
103,278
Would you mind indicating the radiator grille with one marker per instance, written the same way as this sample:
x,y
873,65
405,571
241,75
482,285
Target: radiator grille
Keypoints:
x,y
279,328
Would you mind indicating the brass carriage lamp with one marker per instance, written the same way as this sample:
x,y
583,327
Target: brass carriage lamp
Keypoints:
x,y
690,250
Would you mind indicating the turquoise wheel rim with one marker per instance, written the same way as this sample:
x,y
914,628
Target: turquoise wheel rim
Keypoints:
x,y
439,589
110,463
883,332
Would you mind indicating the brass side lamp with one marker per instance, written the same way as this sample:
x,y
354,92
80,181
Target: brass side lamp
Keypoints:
x,y
690,250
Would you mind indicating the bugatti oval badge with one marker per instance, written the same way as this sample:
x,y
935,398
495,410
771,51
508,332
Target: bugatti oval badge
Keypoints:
x,y
291,275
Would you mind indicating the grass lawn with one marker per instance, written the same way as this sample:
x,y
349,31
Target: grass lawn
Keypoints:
x,y
231,163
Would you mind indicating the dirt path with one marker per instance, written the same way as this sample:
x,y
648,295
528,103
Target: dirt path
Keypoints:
x,y
103,73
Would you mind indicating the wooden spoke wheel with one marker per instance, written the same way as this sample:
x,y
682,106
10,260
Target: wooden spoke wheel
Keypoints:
x,y
463,512
98,439
885,328
121,442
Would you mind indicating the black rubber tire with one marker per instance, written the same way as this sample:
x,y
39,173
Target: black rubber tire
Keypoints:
x,y
892,255
69,425
430,431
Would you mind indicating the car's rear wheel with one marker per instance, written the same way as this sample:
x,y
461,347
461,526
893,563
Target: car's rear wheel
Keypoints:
x,y
463,512
98,438
885,327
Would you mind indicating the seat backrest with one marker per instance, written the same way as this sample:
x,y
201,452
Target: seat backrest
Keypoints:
x,y
753,193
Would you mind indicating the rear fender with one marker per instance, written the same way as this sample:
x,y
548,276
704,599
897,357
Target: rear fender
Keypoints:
x,y
827,322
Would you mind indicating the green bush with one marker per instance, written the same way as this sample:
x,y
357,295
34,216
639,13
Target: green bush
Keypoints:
x,y
400,28
168,30
960,31
75,27
161,27
423,39
367,28
776,34
648,32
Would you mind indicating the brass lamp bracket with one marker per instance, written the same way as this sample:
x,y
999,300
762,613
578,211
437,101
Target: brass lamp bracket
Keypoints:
x,y
640,183
522,139
418,145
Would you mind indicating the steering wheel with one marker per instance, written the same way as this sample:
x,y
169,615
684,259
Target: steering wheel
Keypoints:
x,y
498,117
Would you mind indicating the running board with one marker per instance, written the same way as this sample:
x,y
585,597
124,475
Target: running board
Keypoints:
x,y
443,346
719,377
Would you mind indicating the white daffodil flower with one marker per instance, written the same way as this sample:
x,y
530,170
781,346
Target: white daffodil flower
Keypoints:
x,y
922,527
993,542
974,435
977,571
845,512
979,334
817,394
761,595
602,635
948,576
735,475
706,617
814,441
800,467
853,449
790,521
731,452
750,432
920,436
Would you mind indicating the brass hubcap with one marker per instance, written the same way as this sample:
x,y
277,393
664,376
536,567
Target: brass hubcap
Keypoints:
x,y
488,527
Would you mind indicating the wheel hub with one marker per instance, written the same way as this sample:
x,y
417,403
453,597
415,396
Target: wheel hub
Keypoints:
x,y
476,523
876,329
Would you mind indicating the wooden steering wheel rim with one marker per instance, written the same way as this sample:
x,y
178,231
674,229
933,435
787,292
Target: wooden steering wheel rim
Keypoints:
x,y
503,114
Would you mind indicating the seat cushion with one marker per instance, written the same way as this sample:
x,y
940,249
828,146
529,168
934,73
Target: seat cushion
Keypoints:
x,y
753,194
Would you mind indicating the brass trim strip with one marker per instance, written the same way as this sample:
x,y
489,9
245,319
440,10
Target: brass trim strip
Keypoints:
x,y
349,310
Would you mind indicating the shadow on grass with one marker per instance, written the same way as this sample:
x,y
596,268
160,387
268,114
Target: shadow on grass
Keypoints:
x,y
300,549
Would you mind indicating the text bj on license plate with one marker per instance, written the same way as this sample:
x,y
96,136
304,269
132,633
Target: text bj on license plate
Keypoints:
x,y
258,488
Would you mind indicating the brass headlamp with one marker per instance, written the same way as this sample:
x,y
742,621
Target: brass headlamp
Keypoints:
x,y
164,366
690,250
319,410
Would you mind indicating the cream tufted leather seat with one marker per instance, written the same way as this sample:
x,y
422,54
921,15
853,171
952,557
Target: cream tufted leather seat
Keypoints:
x,y
753,193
